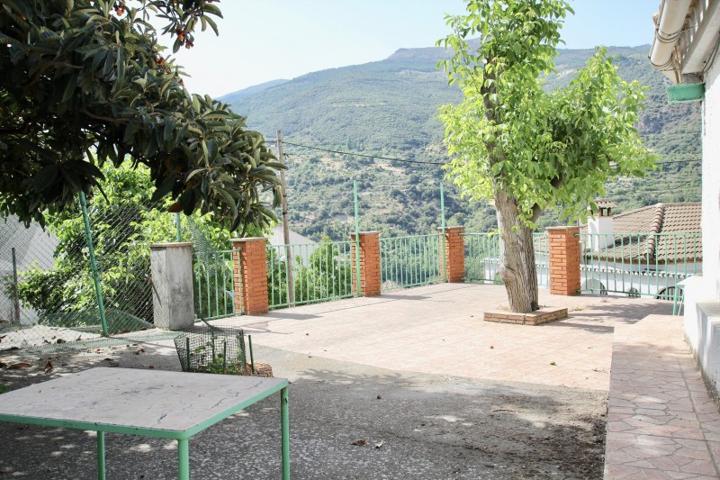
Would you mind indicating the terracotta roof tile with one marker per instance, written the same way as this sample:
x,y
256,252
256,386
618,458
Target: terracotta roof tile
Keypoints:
x,y
662,233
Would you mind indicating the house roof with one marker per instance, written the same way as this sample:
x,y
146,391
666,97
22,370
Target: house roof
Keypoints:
x,y
276,237
660,233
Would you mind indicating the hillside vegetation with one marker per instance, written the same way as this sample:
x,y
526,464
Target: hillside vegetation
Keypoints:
x,y
389,108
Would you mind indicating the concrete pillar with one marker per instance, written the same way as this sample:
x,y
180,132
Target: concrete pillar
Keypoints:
x,y
172,285
250,272
370,276
564,246
454,260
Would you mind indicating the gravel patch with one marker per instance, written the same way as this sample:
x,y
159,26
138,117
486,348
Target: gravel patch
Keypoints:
x,y
13,337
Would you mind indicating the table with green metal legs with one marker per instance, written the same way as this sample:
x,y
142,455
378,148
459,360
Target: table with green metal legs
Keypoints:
x,y
151,403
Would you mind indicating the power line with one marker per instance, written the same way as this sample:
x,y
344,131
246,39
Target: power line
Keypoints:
x,y
364,155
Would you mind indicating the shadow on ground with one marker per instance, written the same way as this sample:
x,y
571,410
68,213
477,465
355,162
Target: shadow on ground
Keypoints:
x,y
348,422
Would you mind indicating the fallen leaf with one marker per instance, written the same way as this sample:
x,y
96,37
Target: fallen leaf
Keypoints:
x,y
361,442
18,366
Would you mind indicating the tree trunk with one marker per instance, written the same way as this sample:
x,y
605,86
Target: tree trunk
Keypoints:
x,y
518,270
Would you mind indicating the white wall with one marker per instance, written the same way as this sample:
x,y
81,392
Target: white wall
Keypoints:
x,y
711,180
702,294
35,248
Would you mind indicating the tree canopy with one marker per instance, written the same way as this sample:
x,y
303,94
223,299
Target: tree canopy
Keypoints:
x,y
526,148
86,82
545,149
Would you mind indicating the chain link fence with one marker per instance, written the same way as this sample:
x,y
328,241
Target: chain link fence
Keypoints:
x,y
83,277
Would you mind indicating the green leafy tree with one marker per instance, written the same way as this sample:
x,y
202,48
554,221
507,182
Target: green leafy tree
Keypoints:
x,y
85,82
527,149
124,223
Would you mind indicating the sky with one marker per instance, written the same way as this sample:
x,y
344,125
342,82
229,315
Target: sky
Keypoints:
x,y
263,40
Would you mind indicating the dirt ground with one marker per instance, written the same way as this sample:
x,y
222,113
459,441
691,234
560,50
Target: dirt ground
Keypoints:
x,y
348,421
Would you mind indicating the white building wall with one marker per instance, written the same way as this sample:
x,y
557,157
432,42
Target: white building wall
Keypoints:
x,y
711,180
702,294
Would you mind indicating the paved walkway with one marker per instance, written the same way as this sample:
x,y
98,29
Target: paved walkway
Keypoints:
x,y
661,422
439,330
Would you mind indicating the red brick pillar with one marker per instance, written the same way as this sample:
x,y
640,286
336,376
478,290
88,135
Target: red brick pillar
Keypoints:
x,y
564,245
250,275
454,260
369,264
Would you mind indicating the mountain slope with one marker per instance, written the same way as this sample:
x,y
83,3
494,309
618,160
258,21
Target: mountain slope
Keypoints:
x,y
390,107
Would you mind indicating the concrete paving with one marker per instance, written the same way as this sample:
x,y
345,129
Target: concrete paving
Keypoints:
x,y
409,385
439,330
348,421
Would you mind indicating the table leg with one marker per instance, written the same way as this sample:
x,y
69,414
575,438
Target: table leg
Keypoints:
x,y
101,455
183,459
285,428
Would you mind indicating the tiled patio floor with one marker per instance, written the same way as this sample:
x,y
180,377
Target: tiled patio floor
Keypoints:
x,y
661,422
439,329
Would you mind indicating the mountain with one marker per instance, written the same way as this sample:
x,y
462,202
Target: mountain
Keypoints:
x,y
389,108
250,91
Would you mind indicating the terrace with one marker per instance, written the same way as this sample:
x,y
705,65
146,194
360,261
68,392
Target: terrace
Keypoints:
x,y
433,390
402,377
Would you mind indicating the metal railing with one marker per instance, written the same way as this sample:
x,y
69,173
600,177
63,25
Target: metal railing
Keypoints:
x,y
483,258
639,264
214,284
410,261
321,272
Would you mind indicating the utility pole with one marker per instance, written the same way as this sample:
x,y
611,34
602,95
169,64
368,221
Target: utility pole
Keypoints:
x,y
286,225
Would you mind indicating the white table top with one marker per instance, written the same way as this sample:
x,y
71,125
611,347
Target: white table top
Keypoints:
x,y
145,402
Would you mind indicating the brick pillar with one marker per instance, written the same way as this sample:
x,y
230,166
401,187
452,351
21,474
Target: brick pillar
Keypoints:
x,y
564,246
454,260
369,263
250,275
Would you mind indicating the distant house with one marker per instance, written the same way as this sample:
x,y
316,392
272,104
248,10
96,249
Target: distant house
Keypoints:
x,y
645,251
302,246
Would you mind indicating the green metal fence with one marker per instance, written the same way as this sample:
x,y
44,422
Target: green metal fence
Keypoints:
x,y
411,261
214,284
482,257
639,264
483,254
317,272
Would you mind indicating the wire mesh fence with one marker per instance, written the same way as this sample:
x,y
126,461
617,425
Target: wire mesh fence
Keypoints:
x,y
85,276
216,349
